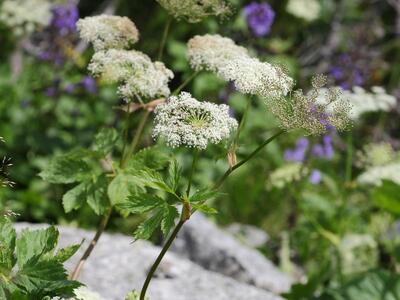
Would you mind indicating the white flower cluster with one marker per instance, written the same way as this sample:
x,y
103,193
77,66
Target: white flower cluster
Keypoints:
x,y
358,252
363,101
24,16
287,174
234,63
314,112
375,154
138,77
137,74
308,10
108,32
381,163
374,176
83,293
184,121
194,11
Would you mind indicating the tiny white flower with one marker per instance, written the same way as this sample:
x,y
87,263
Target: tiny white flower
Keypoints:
x,y
137,74
308,10
24,16
106,32
185,121
233,63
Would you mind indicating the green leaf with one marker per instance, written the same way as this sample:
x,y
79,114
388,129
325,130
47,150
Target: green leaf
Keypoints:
x,y
168,221
153,179
146,229
174,172
33,244
45,277
205,209
105,141
387,197
152,157
74,198
204,195
66,253
96,193
141,203
123,185
374,285
7,245
67,168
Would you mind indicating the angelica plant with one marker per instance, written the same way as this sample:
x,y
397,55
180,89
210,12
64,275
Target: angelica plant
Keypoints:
x,y
124,178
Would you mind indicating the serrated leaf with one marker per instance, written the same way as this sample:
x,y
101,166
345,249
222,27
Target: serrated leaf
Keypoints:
x,y
96,193
66,253
146,229
205,209
74,198
153,179
7,246
141,203
105,141
45,278
152,157
204,195
168,221
67,168
33,244
174,172
123,185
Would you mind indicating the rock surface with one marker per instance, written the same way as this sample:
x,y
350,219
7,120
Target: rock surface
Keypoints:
x,y
249,235
117,266
214,249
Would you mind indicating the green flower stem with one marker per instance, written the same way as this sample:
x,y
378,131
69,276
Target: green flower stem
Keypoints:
x,y
164,38
241,163
103,224
185,83
349,158
125,133
136,139
195,158
242,123
160,257
186,210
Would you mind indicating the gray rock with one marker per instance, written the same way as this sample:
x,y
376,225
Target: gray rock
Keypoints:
x,y
248,234
117,266
214,249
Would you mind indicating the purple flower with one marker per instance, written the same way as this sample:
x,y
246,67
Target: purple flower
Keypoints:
x,y
64,18
299,152
70,88
259,17
51,92
324,150
315,177
89,84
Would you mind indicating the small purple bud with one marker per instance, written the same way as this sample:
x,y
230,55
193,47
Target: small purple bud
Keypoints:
x,y
89,84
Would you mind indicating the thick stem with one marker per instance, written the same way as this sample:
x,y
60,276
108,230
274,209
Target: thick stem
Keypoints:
x,y
136,139
195,157
185,83
250,156
103,224
164,38
160,257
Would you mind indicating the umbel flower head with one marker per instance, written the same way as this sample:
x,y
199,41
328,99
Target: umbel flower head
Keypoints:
x,y
184,121
24,16
195,10
309,112
233,63
108,32
137,74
